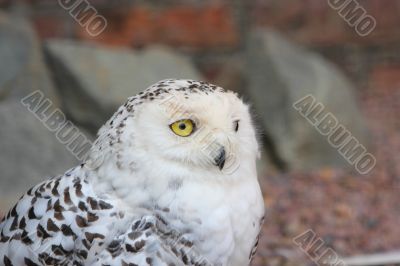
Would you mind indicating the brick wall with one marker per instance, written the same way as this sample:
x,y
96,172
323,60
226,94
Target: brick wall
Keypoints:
x,y
212,30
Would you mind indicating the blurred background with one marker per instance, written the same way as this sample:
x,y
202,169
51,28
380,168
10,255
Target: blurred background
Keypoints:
x,y
87,57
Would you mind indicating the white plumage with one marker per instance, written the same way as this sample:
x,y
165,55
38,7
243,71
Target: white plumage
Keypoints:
x,y
171,180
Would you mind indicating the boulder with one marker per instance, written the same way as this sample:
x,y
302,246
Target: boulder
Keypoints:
x,y
29,154
22,68
94,80
279,73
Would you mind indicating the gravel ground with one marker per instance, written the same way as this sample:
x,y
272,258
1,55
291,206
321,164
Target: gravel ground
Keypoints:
x,y
352,214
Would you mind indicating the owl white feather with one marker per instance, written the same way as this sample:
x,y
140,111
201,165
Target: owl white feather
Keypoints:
x,y
171,180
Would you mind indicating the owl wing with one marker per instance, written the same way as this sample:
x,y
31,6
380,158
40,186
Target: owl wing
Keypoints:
x,y
63,222
54,222
254,249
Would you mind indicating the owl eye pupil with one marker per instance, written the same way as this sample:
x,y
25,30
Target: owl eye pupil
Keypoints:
x,y
182,126
236,126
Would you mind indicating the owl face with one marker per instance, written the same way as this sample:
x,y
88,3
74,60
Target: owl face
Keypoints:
x,y
210,131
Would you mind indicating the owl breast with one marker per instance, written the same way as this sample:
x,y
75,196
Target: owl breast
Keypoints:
x,y
224,223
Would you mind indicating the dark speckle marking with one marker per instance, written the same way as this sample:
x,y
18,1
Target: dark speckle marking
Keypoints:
x,y
41,232
136,247
31,213
67,196
134,235
22,223
57,207
7,261
14,211
82,206
80,221
93,203
49,205
28,262
83,254
104,205
67,231
59,216
14,224
78,190
59,250
90,237
25,238
91,217
54,191
51,226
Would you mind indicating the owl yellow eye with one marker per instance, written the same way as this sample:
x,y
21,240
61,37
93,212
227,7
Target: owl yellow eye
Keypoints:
x,y
183,128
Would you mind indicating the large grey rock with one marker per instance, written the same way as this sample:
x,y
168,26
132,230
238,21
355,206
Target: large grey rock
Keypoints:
x,y
22,68
94,81
279,74
29,152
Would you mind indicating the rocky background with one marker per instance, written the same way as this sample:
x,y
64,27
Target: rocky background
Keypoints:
x,y
272,52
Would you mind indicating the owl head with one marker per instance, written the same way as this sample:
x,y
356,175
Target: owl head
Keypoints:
x,y
188,125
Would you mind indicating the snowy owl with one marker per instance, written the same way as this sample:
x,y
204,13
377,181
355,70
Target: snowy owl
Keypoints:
x,y
170,180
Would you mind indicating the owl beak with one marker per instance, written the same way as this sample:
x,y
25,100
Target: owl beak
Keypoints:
x,y
219,160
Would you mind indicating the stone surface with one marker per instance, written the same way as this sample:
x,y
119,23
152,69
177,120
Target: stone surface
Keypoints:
x,y
316,23
279,74
22,68
189,25
94,81
29,152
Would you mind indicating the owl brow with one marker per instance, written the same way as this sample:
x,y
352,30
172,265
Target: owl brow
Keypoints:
x,y
176,110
